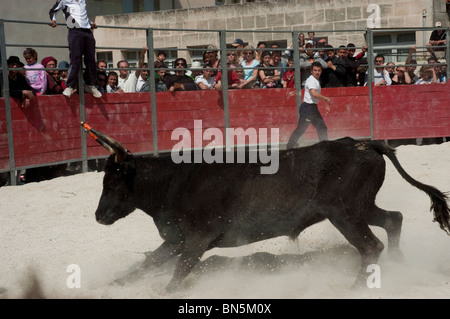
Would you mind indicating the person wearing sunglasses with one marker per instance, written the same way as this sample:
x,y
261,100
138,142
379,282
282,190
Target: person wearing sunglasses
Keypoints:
x,y
180,81
250,71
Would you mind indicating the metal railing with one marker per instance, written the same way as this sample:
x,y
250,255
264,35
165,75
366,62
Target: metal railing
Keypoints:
x,y
150,43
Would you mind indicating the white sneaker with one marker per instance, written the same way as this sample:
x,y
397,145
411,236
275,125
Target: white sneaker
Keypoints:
x,y
92,89
68,91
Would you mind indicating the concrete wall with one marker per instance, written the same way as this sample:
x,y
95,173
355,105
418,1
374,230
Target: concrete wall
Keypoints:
x,y
31,35
318,15
321,16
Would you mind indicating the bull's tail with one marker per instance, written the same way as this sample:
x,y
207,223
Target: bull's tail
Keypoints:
x,y
439,205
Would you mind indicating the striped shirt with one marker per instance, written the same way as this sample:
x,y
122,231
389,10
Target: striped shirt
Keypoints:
x,y
74,11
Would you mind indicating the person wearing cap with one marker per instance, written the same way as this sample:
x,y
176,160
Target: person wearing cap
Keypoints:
x,y
214,61
437,38
239,44
306,60
196,69
81,43
63,67
53,81
18,85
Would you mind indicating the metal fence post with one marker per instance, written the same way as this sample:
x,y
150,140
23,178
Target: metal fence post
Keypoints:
x,y
297,71
447,31
224,74
370,62
152,76
9,128
84,162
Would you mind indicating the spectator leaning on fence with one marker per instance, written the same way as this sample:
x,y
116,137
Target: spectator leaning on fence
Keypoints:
x,y
112,81
335,74
380,74
128,79
180,81
18,85
63,67
81,43
36,78
53,80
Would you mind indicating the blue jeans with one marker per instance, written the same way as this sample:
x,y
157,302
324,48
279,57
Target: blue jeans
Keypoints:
x,y
309,114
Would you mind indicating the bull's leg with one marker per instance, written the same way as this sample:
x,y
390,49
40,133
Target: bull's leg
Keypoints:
x,y
162,254
360,236
391,221
190,256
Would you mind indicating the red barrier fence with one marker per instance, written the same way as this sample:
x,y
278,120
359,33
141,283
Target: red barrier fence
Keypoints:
x,y
49,131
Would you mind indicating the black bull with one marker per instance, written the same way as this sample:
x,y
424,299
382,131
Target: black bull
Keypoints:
x,y
197,207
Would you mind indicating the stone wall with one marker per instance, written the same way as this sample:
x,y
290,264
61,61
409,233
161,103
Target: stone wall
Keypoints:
x,y
325,17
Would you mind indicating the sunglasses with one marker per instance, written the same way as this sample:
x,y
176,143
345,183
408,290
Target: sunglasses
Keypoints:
x,y
247,53
228,54
182,64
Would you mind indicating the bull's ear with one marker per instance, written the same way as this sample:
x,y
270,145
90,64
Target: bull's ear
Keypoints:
x,y
107,142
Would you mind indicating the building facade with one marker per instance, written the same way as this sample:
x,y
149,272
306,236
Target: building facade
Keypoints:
x,y
325,17
392,21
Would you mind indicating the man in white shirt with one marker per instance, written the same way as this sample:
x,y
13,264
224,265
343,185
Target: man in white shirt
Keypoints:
x,y
309,112
81,42
127,80
380,74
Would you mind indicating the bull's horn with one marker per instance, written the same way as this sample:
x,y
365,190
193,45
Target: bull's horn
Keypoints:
x,y
107,142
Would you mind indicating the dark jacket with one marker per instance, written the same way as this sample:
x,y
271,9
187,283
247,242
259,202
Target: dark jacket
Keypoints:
x,y
18,85
335,78
187,81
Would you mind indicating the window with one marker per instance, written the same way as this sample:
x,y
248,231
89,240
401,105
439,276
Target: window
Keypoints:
x,y
197,53
171,55
132,58
394,46
130,6
106,56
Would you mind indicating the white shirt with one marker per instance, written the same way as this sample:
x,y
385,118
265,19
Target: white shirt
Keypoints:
x,y
140,83
75,13
378,77
311,83
129,83
209,83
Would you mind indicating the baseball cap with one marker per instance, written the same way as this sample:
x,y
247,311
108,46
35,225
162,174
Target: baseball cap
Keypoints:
x,y
237,42
438,24
211,48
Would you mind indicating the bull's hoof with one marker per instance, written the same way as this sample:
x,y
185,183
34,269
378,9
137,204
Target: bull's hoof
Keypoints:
x,y
172,287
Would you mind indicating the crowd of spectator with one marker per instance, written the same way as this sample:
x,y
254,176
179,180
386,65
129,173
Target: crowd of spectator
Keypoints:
x,y
248,67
